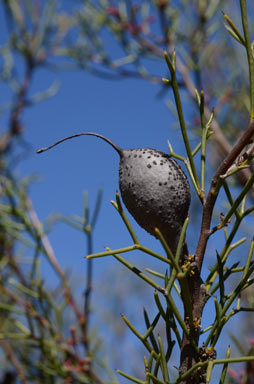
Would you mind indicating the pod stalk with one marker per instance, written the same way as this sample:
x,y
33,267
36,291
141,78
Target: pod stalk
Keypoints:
x,y
118,149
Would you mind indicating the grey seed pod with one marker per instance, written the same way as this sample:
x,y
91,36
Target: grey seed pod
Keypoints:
x,y
153,187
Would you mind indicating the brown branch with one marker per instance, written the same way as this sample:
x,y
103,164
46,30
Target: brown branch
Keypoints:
x,y
54,262
240,160
20,103
14,361
45,241
15,125
212,194
188,354
197,290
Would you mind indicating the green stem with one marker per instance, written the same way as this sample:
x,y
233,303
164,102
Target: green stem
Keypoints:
x,y
181,240
248,261
171,66
180,320
186,297
235,205
231,298
170,255
154,378
173,154
196,187
223,255
228,272
227,361
236,34
203,140
152,326
138,335
128,249
129,377
171,322
183,377
225,367
230,198
118,206
155,273
249,54
164,367
139,273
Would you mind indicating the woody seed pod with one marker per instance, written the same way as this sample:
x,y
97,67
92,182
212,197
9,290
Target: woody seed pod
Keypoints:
x,y
153,187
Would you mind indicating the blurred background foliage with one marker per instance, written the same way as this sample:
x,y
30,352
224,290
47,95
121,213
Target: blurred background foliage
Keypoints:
x,y
44,332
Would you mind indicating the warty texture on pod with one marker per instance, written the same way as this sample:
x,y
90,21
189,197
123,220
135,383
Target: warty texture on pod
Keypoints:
x,y
153,187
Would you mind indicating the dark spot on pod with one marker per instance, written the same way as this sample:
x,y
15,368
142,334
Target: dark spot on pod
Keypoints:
x,y
160,183
135,155
149,157
140,156
149,166
154,162
165,183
